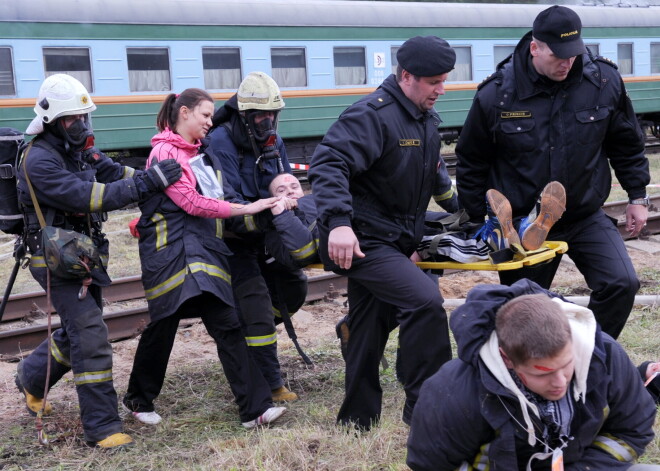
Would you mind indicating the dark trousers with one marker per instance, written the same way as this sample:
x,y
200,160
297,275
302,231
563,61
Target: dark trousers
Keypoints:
x,y
81,345
249,387
386,290
252,282
597,249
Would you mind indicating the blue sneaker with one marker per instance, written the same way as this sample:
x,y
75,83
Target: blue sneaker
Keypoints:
x,y
491,233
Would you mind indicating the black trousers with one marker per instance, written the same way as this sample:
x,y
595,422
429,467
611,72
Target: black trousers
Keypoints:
x,y
254,283
249,387
597,249
81,345
386,290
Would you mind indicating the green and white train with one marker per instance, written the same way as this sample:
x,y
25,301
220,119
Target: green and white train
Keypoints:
x,y
324,54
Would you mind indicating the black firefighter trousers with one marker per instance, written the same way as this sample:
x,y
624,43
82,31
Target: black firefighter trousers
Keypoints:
x,y
81,345
386,290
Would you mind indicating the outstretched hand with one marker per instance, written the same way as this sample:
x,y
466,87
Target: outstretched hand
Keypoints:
x,y
255,207
342,246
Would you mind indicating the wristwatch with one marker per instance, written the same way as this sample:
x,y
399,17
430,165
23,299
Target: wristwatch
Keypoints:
x,y
643,201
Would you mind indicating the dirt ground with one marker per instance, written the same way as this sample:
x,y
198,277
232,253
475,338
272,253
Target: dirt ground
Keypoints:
x,y
314,324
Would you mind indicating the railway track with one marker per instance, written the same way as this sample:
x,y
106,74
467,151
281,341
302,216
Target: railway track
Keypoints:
x,y
121,324
127,323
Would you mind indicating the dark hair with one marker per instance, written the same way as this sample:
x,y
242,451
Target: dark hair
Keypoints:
x,y
531,327
169,111
399,74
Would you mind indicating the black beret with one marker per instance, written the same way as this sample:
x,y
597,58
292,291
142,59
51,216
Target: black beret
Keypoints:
x,y
426,56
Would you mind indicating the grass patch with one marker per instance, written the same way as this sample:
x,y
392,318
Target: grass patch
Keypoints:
x,y
201,429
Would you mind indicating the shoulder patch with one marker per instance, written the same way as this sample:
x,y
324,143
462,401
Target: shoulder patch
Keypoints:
x,y
607,61
379,100
490,78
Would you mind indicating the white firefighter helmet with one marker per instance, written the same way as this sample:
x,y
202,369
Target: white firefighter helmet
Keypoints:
x,y
59,95
258,91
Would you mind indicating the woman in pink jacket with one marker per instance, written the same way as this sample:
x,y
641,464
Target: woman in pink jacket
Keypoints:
x,y
185,271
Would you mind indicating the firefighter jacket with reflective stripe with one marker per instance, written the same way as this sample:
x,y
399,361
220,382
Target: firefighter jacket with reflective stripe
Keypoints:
x,y
466,419
181,255
525,130
73,194
293,241
377,168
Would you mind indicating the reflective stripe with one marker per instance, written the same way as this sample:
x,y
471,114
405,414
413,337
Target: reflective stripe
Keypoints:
x,y
261,340
276,312
38,262
212,270
445,196
96,198
166,286
249,222
305,251
57,354
128,173
104,259
92,377
619,449
160,224
219,223
481,461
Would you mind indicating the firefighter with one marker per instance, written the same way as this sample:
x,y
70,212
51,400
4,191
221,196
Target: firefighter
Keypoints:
x,y
246,142
74,186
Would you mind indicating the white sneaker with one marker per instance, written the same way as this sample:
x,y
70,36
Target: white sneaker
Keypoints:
x,y
271,415
149,418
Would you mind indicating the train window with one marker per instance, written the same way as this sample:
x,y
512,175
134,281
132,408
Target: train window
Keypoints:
x,y
350,66
288,64
7,86
463,69
73,61
500,53
222,67
148,69
395,61
625,58
594,48
655,58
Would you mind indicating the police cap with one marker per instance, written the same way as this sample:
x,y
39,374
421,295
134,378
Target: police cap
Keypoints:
x,y
561,29
426,56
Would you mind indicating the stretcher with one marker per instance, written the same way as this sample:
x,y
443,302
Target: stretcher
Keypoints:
x,y
548,251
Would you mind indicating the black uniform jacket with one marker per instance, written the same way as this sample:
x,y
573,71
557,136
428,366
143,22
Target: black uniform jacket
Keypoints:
x,y
376,170
464,414
72,194
524,130
293,241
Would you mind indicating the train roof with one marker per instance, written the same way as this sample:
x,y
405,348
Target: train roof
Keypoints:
x,y
329,13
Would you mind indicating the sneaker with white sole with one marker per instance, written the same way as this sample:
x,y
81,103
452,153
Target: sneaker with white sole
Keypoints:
x,y
271,415
149,418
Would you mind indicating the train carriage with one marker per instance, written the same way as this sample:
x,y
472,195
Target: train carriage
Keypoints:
x,y
324,54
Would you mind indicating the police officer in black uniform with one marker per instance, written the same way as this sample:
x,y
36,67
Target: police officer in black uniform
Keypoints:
x,y
553,111
73,189
372,178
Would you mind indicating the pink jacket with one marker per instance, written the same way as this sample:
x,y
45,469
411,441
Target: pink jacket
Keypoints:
x,y
169,145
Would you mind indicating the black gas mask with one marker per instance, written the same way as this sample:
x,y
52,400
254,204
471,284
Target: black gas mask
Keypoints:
x,y
78,135
262,129
261,125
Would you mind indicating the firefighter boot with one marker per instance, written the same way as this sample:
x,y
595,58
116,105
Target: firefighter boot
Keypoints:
x,y
282,394
342,334
535,227
116,441
32,403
